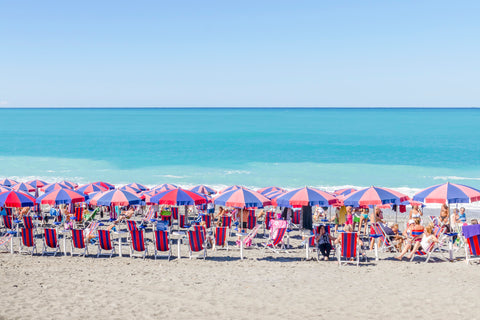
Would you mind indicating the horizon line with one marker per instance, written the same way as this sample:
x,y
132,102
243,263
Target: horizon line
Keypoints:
x,y
245,107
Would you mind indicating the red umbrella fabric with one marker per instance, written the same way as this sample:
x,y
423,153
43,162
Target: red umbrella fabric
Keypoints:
x,y
266,190
5,189
242,198
23,187
177,197
138,186
130,189
306,197
203,189
164,187
115,197
104,184
90,188
344,192
54,186
16,199
448,193
374,196
227,189
61,196
70,184
37,183
8,182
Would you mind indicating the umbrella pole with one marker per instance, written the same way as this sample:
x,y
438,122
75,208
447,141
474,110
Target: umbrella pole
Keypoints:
x,y
396,213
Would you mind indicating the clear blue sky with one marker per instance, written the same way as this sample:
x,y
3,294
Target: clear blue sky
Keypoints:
x,y
239,53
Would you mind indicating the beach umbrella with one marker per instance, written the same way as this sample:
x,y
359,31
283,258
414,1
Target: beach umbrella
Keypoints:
x,y
8,182
270,189
37,183
104,184
164,187
23,187
177,197
16,199
54,186
203,189
344,192
374,196
91,188
5,189
130,189
242,198
61,196
138,186
306,197
274,194
71,185
227,189
448,193
115,197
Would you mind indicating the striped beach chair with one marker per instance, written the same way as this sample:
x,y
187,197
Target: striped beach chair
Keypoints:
x,y
50,240
174,212
220,238
7,239
105,242
386,243
78,218
78,242
252,221
183,222
424,252
28,222
296,218
8,223
28,241
347,250
434,220
472,249
208,220
196,243
275,243
137,243
162,242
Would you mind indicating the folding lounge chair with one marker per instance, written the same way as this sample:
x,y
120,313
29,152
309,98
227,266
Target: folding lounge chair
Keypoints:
x,y
149,218
220,238
7,239
387,243
78,217
8,222
183,222
105,242
138,243
348,249
296,216
208,220
87,217
28,222
78,242
472,249
269,216
162,242
28,241
174,213
252,221
196,242
50,240
167,218
275,242
422,252
227,222
434,220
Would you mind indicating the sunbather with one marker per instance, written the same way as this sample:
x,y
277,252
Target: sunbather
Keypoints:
x,y
411,239
425,241
363,219
323,240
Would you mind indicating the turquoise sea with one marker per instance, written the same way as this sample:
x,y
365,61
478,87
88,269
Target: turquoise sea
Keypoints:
x,y
330,148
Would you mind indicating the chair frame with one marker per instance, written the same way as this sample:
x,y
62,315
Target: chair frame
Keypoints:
x,y
46,244
156,233
101,234
22,241
196,235
225,241
355,247
85,243
138,242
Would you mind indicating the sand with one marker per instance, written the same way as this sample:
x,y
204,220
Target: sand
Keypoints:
x,y
224,287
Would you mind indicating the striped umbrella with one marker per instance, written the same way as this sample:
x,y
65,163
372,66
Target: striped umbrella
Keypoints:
x,y
242,198
54,186
16,199
374,196
90,188
23,187
306,197
115,197
37,183
177,197
203,189
5,189
138,186
266,190
227,189
61,196
448,193
8,182
274,194
164,187
71,185
344,192
130,189
104,184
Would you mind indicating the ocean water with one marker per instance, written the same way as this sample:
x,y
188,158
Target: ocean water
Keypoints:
x,y
407,149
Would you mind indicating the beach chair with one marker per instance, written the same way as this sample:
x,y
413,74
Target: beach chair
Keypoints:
x,y
28,241
174,212
248,240
28,222
196,243
472,249
149,218
348,249
208,220
137,243
252,221
183,222
269,216
105,242
276,243
296,218
422,252
8,222
434,220
7,239
387,243
88,217
220,238
78,242
162,242
78,218
50,240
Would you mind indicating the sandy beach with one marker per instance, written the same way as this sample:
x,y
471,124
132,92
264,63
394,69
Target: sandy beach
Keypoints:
x,y
223,286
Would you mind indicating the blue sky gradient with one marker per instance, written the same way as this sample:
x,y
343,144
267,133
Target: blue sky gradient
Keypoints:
x,y
239,53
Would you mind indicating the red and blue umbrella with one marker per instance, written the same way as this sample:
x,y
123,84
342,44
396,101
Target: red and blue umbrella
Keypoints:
x,y
104,184
130,189
16,199
54,186
37,183
227,189
448,193
90,188
344,192
274,194
374,196
71,185
23,187
8,182
306,197
242,198
138,186
5,189
115,197
164,187
61,196
203,189
266,190
177,197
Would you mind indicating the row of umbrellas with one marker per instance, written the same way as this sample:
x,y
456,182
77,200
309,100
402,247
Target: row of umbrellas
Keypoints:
x,y
14,194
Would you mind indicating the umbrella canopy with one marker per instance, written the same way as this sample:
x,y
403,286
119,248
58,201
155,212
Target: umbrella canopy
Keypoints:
x,y
274,194
61,196
71,185
16,199
138,186
374,196
115,197
36,183
5,189
203,189
8,182
227,189
242,198
164,187
104,184
54,186
90,188
448,193
344,192
130,189
23,187
306,197
266,190
177,197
